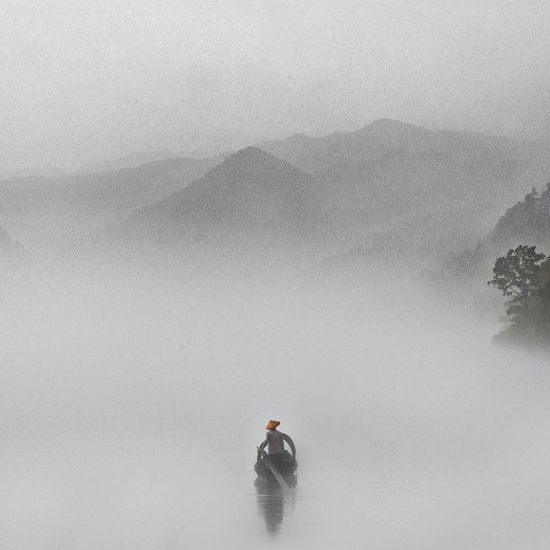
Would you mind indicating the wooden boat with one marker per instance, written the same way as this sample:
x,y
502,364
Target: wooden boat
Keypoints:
x,y
276,468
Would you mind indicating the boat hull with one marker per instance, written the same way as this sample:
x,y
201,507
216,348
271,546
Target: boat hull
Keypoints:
x,y
285,464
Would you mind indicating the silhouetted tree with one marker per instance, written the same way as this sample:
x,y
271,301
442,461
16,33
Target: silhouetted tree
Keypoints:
x,y
518,275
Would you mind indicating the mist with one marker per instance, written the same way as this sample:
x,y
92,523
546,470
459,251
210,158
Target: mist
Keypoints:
x,y
131,412
87,82
214,214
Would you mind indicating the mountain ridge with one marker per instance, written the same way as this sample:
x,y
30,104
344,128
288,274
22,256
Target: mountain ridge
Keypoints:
x,y
48,213
226,188
252,205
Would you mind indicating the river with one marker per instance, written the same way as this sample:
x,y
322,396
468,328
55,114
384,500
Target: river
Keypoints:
x,y
130,420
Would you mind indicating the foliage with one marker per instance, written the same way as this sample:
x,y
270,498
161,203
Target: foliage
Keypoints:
x,y
522,276
518,273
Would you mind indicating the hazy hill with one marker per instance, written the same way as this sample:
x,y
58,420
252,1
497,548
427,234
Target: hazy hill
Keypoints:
x,y
389,190
47,213
251,203
130,161
527,222
390,142
396,177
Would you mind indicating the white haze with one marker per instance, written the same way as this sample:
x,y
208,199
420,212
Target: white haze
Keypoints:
x,y
131,410
133,398
87,81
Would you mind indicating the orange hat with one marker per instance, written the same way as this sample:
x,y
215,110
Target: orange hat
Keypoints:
x,y
272,424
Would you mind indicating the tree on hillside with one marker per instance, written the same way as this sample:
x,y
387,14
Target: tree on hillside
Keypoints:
x,y
518,275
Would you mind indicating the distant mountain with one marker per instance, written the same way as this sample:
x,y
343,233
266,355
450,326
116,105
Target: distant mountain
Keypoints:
x,y
391,175
46,214
251,202
527,222
388,190
348,152
343,150
130,161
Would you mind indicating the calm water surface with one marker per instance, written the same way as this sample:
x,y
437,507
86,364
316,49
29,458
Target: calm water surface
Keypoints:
x,y
137,429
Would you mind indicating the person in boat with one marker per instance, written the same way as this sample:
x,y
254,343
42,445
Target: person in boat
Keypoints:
x,y
275,442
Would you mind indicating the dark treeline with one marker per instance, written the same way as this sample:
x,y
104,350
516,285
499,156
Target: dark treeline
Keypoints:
x,y
523,276
523,273
516,251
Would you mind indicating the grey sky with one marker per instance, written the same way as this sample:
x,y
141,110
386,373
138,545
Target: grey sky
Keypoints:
x,y
86,80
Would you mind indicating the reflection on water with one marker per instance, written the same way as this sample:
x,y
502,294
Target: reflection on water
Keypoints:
x,y
274,502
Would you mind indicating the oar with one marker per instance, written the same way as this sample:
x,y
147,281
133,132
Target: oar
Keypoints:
x,y
276,474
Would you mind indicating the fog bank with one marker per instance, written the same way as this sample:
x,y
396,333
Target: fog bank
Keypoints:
x,y
131,412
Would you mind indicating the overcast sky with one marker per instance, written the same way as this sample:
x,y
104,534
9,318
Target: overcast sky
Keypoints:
x,y
88,80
